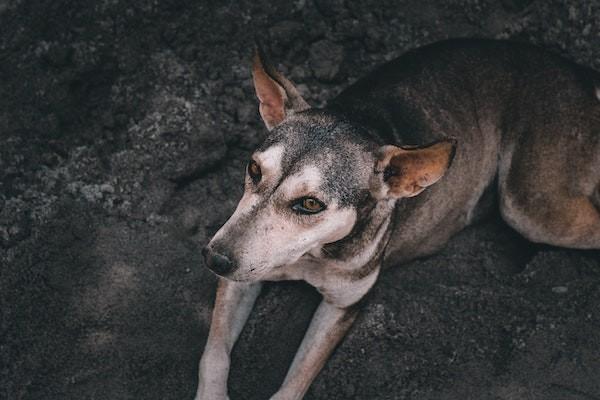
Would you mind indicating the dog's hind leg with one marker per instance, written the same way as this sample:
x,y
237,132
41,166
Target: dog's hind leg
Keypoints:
x,y
580,227
549,168
550,199
551,202
233,304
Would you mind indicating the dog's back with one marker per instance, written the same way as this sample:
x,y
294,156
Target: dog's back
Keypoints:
x,y
520,114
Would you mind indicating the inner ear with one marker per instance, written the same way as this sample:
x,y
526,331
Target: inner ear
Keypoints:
x,y
408,171
278,97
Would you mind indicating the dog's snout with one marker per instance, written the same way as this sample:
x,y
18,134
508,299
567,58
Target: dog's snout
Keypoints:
x,y
218,263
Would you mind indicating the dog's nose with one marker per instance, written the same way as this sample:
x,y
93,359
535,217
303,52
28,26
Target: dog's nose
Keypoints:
x,y
218,263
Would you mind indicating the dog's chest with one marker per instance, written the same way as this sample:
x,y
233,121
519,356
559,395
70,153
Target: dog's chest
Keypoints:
x,y
338,285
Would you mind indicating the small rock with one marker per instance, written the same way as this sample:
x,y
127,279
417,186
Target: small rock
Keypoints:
x,y
325,59
586,30
107,188
91,193
560,289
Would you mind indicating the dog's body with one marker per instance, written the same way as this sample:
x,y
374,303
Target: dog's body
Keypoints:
x,y
331,198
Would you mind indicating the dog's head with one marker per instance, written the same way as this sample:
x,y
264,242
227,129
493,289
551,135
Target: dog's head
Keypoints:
x,y
306,184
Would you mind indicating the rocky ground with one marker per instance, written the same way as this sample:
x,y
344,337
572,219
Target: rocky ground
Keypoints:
x,y
124,128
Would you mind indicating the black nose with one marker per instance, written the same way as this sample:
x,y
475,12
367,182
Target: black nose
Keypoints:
x,y
218,263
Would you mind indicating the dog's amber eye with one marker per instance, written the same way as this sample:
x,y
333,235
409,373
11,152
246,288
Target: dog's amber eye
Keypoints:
x,y
254,171
308,205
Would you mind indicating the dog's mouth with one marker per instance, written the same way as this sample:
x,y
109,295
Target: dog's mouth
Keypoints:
x,y
262,272
251,275
307,258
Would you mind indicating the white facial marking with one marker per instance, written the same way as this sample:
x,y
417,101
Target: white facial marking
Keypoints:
x,y
301,183
336,226
270,161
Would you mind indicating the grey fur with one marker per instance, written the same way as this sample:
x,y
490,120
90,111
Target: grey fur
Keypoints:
x,y
527,123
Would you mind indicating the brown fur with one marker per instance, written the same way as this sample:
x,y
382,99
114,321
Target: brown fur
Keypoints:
x,y
524,120
410,170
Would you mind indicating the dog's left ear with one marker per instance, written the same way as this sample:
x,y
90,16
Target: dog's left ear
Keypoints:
x,y
278,97
407,171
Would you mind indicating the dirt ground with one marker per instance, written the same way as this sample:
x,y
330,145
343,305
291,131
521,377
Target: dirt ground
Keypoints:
x,y
124,129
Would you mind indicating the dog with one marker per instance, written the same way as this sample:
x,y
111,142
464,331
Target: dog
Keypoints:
x,y
392,168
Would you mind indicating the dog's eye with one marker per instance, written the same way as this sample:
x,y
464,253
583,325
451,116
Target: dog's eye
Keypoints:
x,y
308,205
254,171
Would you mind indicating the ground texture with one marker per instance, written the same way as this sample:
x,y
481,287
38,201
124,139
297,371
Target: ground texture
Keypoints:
x,y
124,128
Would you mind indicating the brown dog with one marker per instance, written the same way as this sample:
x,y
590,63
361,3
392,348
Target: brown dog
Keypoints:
x,y
390,170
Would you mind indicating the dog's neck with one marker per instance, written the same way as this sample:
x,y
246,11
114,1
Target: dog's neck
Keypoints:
x,y
366,238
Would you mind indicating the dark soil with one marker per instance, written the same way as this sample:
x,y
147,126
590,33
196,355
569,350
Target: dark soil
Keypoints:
x,y
124,129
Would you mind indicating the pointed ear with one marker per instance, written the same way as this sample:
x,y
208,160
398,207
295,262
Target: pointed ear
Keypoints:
x,y
278,97
407,171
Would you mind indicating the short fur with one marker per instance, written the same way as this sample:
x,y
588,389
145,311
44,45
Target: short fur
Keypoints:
x,y
401,161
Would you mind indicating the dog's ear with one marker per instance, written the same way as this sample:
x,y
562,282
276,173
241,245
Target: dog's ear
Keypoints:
x,y
407,171
278,97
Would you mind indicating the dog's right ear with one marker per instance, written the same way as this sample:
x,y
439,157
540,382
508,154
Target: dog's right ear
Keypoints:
x,y
407,171
278,97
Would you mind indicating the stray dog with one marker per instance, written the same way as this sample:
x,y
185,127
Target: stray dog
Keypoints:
x,y
393,167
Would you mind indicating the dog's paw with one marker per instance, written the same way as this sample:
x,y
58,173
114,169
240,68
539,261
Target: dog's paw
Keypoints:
x,y
208,393
210,397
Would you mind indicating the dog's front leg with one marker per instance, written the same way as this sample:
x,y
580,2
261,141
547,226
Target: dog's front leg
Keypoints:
x,y
327,328
233,304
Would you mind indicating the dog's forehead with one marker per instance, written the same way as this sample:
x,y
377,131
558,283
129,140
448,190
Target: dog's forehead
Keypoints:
x,y
307,179
310,129
315,135
319,151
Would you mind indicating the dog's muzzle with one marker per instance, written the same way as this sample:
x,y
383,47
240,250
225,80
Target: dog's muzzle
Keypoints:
x,y
220,264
